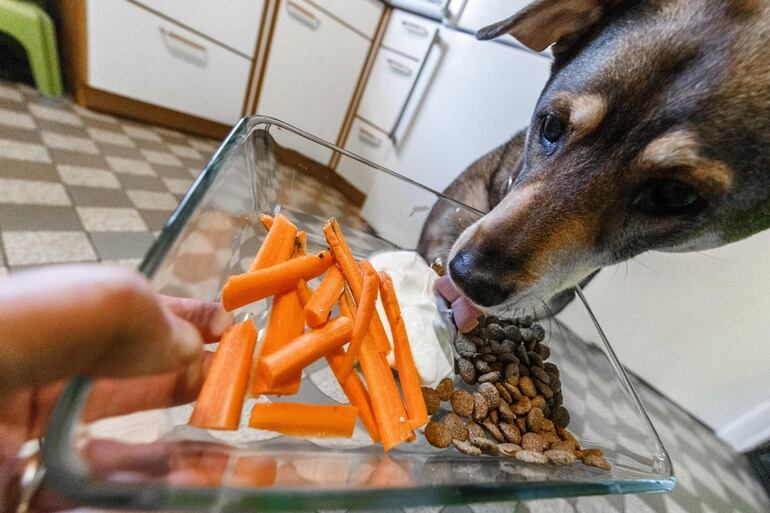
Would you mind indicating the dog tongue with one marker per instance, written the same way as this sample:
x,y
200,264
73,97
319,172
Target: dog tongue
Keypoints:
x,y
466,315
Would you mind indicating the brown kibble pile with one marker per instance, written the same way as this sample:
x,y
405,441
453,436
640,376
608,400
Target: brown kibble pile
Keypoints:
x,y
513,407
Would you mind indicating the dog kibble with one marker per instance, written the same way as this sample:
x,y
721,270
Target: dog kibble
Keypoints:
x,y
533,442
505,412
535,420
534,361
564,445
512,333
467,371
527,386
551,437
482,366
438,435
531,457
544,389
523,369
432,400
495,332
490,377
558,457
513,390
521,354
538,402
489,358
465,348
593,452
510,432
596,461
538,332
456,426
494,416
551,368
504,394
548,425
508,449
466,448
486,445
540,374
445,389
462,403
560,417
522,406
480,407
521,423
475,430
543,350
493,430
491,394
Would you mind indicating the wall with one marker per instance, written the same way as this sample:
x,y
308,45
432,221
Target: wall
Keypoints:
x,y
697,327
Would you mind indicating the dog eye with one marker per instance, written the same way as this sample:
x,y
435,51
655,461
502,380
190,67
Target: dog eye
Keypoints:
x,y
669,198
553,128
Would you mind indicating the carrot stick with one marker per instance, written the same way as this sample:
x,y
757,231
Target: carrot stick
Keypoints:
x,y
220,400
252,286
305,349
285,324
304,292
278,244
407,370
352,274
322,301
356,393
299,419
363,319
266,220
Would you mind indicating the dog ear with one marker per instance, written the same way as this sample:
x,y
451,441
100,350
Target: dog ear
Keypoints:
x,y
545,22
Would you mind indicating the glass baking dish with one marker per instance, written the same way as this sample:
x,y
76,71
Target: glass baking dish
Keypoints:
x,y
153,460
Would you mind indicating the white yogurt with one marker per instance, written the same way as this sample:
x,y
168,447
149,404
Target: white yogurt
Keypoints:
x,y
429,335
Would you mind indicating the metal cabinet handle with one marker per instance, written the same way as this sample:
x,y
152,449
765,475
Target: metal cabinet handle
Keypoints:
x,y
182,39
414,28
369,137
302,14
399,67
392,133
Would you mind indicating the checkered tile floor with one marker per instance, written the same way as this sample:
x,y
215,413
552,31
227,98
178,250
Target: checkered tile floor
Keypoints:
x,y
77,186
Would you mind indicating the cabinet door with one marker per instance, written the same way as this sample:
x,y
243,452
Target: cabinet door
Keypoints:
x,y
362,15
311,74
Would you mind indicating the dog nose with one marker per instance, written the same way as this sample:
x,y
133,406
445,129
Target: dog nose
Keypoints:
x,y
469,276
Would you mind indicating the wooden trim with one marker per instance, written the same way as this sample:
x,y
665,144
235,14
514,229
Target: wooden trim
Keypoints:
x,y
263,65
361,85
324,174
249,86
73,37
97,99
338,20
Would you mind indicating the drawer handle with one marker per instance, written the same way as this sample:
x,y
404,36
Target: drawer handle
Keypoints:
x,y
414,28
182,39
302,14
399,67
369,137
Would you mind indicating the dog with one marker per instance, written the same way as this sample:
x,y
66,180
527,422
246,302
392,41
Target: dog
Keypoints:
x,y
652,133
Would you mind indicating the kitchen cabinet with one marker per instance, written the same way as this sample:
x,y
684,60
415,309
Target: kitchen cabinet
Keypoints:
x,y
312,70
234,23
134,53
470,97
361,15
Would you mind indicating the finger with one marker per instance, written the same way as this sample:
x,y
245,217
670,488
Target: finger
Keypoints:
x,y
87,319
209,318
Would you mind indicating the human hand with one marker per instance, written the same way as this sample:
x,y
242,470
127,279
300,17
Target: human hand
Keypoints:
x,y
97,321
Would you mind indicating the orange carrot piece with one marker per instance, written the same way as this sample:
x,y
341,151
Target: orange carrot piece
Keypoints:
x,y
256,471
322,301
285,324
305,349
407,370
363,319
252,286
278,245
221,398
304,292
266,220
300,244
299,419
352,274
356,393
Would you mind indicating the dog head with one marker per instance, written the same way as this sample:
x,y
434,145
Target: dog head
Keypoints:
x,y
651,133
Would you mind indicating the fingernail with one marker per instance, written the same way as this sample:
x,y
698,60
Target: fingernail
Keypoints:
x,y
220,320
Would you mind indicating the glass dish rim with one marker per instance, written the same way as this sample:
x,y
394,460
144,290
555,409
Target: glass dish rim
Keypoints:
x,y
66,474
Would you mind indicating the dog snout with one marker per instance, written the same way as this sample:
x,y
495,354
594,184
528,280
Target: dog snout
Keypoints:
x,y
468,273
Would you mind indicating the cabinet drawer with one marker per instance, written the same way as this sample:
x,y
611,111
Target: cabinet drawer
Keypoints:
x,y
234,23
409,34
134,53
362,15
369,142
387,88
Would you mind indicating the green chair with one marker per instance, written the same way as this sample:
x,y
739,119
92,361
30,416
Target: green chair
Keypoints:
x,y
31,26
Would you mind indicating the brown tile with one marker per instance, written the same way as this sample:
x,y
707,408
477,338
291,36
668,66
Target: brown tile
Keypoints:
x,y
151,145
171,172
38,217
20,134
118,245
155,219
98,197
26,170
119,151
76,158
148,183
60,128
12,105
99,123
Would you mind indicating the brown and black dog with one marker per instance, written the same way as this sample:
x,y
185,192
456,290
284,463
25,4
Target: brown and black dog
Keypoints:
x,y
652,133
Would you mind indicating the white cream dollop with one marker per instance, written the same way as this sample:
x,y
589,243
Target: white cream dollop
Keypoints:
x,y
430,337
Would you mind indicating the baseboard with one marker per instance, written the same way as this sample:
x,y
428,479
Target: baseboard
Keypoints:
x,y
749,430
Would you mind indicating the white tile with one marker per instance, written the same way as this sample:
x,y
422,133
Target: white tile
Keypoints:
x,y
204,146
151,200
111,137
184,151
161,157
177,185
23,151
168,132
54,114
88,177
138,132
97,116
129,166
16,119
40,247
9,92
194,172
102,219
31,192
69,142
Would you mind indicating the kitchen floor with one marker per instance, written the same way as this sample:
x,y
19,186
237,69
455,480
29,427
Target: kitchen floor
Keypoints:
x,y
79,186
